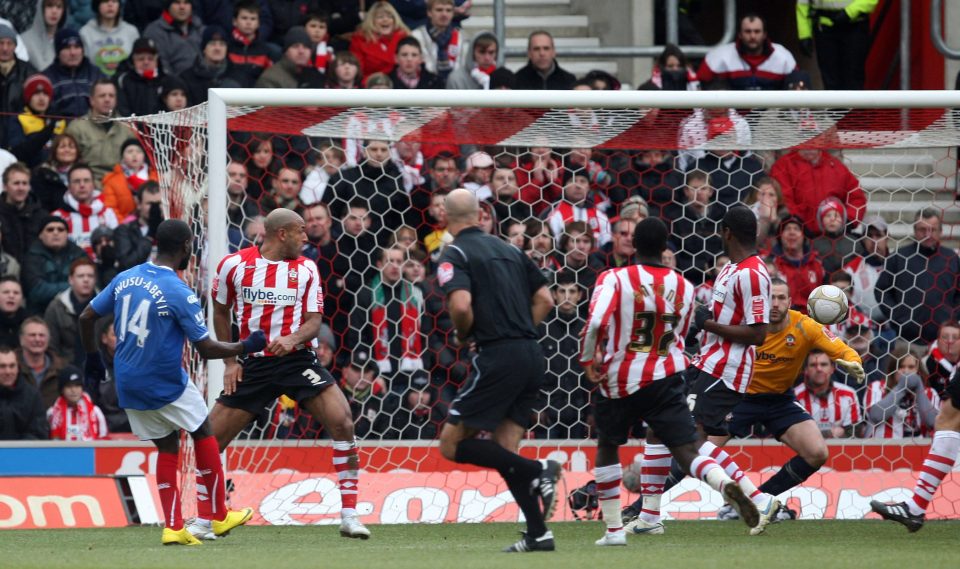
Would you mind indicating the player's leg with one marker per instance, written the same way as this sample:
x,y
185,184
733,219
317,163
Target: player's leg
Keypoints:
x,y
168,453
331,408
614,418
938,463
655,467
714,402
671,420
216,519
225,423
806,440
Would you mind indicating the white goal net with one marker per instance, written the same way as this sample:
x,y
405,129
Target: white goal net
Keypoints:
x,y
565,176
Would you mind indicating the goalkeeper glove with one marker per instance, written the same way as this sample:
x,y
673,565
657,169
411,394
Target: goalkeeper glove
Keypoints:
x,y
255,342
853,368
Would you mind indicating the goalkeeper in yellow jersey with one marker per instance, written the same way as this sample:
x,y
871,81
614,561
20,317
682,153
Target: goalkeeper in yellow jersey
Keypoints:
x,y
770,400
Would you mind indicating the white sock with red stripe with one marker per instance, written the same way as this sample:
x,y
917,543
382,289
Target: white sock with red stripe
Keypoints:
x,y
939,462
732,470
346,462
707,469
654,469
608,494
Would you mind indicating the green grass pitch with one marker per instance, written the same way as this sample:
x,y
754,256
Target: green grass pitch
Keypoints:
x,y
686,545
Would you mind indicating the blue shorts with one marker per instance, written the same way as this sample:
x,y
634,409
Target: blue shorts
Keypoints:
x,y
777,412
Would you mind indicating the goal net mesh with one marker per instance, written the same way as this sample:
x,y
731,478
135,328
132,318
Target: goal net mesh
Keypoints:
x,y
380,175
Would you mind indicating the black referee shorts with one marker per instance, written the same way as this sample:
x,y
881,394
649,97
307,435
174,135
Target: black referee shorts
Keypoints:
x,y
505,385
299,376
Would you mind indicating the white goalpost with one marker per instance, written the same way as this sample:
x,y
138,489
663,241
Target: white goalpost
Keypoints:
x,y
900,145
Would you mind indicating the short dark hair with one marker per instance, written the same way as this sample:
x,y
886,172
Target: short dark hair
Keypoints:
x,y
15,167
247,6
565,277
578,227
742,223
650,237
777,281
171,235
840,275
751,16
411,41
79,166
102,81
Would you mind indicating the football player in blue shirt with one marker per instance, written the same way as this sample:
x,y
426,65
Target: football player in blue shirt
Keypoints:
x,y
154,311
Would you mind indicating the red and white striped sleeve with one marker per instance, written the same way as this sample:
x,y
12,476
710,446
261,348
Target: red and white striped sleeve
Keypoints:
x,y
314,292
755,292
602,306
224,291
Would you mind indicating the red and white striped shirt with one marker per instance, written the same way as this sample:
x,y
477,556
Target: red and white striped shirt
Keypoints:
x,y
565,212
82,219
741,297
641,313
905,422
273,296
839,408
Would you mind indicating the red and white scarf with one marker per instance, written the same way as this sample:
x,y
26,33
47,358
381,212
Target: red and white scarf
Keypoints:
x,y
83,422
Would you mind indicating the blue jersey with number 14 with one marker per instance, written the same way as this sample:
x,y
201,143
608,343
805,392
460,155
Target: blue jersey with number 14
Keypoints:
x,y
153,312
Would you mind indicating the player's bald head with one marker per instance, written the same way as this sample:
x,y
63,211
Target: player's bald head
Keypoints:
x,y
462,206
280,218
171,235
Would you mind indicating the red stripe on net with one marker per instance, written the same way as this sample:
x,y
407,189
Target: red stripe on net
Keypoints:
x,y
283,120
476,126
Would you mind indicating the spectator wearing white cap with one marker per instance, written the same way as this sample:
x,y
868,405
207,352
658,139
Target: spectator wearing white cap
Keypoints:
x,y
867,264
479,172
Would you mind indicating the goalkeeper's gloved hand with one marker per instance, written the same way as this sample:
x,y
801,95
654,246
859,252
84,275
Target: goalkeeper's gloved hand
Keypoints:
x,y
853,368
255,342
806,47
701,315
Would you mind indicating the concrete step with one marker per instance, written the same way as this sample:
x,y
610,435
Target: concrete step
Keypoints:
x,y
891,165
932,183
577,67
521,43
522,26
523,8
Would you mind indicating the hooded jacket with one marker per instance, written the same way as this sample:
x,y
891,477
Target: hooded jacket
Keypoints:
x,y
805,185
178,47
108,48
39,44
467,75
45,273
802,275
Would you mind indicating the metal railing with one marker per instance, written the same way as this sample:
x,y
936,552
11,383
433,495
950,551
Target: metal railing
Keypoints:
x,y
936,31
672,10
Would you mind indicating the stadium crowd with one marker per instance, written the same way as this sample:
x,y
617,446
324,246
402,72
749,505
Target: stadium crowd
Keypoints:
x,y
81,202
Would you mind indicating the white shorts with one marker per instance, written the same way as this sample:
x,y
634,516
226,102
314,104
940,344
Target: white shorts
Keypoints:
x,y
187,412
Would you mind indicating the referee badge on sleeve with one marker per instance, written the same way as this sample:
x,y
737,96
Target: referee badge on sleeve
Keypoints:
x,y
444,273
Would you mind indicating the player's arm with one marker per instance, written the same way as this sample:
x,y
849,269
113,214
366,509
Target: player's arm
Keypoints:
x,y
460,307
845,357
222,321
601,309
541,304
210,349
752,334
88,321
307,331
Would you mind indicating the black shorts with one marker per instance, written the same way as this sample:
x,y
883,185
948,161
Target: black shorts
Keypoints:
x,y
953,390
661,404
777,412
711,401
299,376
505,384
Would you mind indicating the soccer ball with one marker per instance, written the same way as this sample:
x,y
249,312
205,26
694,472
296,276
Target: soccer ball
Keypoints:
x,y
631,477
827,305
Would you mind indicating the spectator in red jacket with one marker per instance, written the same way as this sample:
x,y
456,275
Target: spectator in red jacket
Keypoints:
x,y
375,42
797,262
809,176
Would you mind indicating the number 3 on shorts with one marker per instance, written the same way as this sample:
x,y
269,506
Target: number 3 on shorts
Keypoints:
x,y
313,376
691,401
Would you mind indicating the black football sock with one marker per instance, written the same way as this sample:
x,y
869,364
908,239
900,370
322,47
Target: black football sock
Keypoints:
x,y
489,454
518,472
794,472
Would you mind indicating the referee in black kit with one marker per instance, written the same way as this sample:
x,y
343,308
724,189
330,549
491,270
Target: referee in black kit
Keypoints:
x,y
496,297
